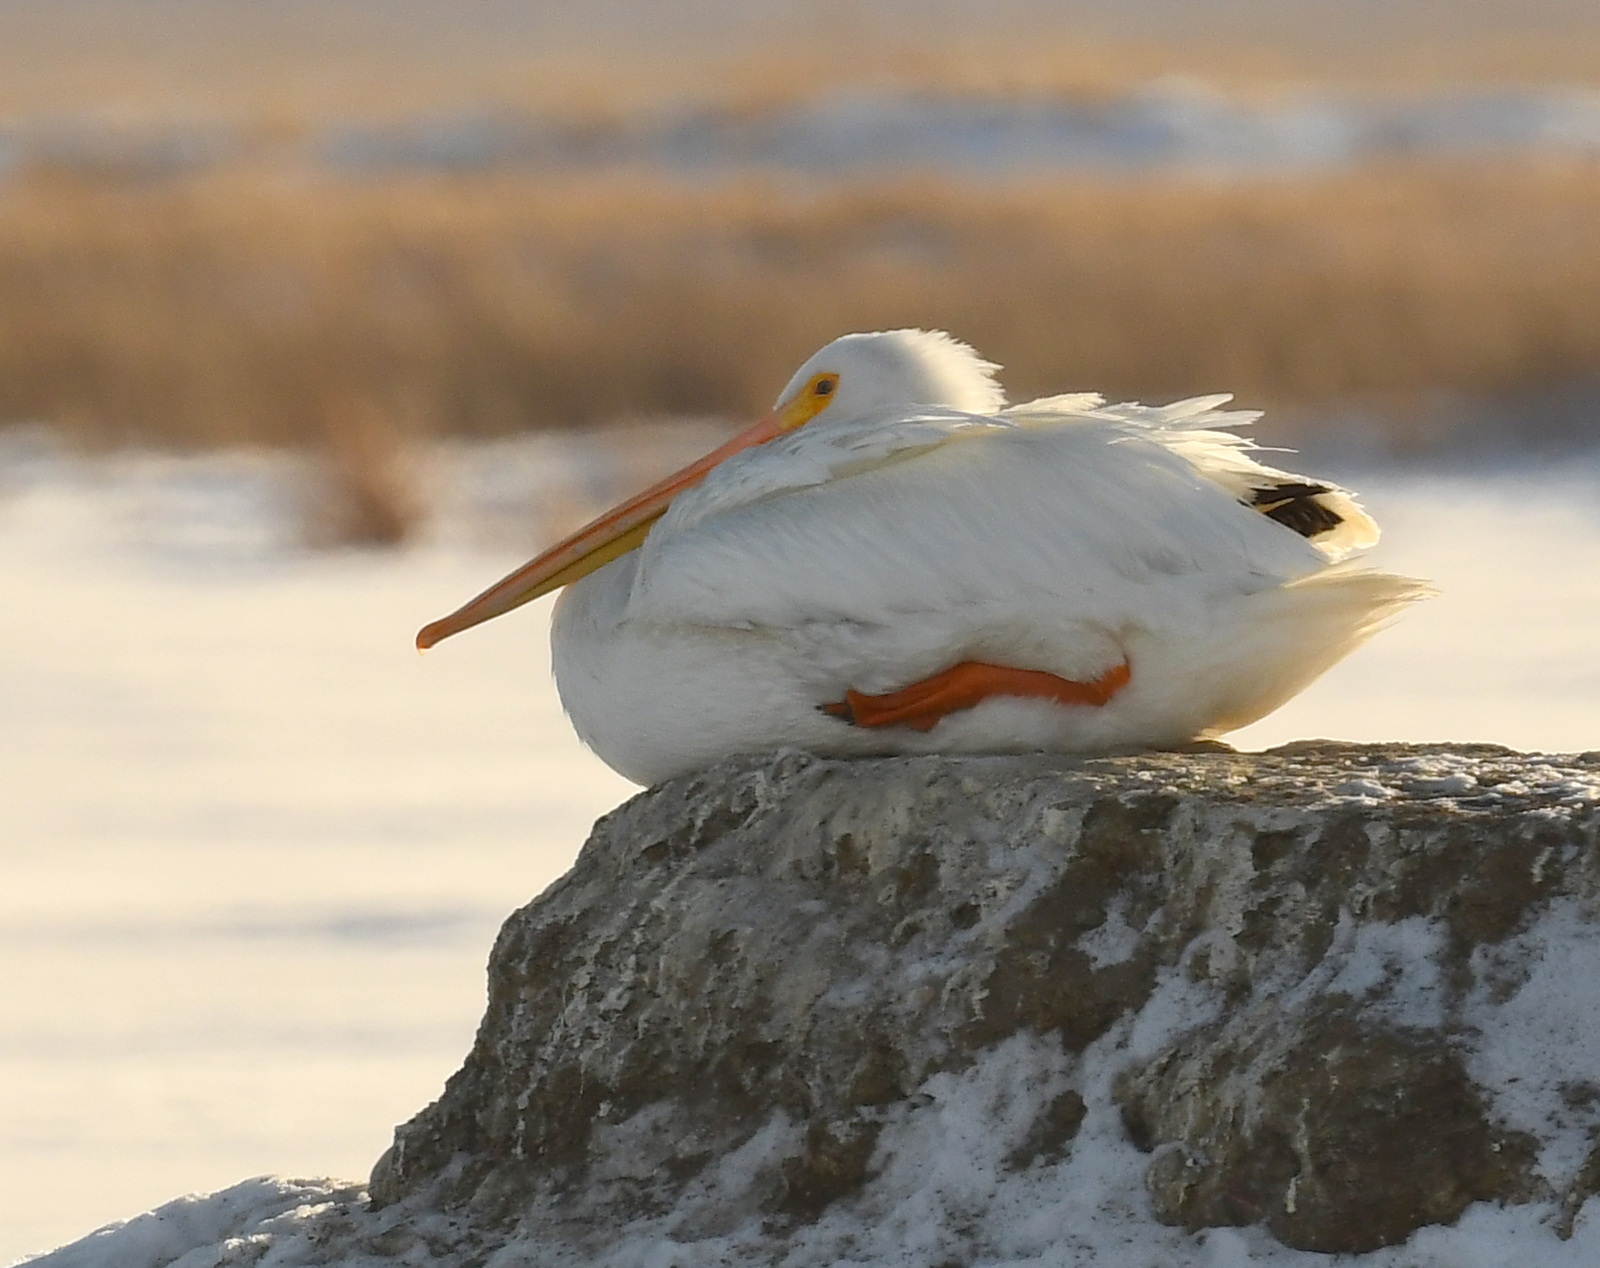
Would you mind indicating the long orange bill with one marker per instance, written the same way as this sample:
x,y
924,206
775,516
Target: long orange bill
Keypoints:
x,y
612,535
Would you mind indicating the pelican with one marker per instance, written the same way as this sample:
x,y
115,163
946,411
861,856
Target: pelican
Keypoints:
x,y
894,561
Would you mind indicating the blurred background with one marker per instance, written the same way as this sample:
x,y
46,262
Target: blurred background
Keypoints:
x,y
316,317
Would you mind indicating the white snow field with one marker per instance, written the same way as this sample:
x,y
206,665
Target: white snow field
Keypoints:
x,y
254,850
1170,125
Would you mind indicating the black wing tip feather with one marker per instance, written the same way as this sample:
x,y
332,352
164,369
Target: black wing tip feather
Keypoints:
x,y
1295,505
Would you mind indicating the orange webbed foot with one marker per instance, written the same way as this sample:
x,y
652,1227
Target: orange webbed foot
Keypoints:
x,y
922,705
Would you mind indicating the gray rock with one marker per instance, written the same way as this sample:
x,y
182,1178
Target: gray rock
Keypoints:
x,y
807,943
939,1011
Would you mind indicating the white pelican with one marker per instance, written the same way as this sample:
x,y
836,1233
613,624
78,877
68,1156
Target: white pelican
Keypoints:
x,y
893,561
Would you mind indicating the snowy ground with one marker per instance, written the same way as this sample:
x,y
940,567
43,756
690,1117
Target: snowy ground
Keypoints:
x,y
1169,125
255,849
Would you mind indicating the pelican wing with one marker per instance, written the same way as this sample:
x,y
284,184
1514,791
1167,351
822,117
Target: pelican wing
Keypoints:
x,y
1201,433
1056,508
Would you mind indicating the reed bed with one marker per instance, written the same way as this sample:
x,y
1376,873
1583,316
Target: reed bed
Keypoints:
x,y
244,307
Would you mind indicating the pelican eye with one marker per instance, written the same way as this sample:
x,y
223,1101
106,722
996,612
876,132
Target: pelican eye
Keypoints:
x,y
824,387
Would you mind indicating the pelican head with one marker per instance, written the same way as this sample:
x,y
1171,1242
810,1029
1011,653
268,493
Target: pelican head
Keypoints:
x,y
891,369
854,376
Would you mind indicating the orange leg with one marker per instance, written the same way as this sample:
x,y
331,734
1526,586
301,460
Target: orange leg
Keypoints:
x,y
921,705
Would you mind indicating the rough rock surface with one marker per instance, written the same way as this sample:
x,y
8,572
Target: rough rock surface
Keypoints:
x,y
943,1011
807,943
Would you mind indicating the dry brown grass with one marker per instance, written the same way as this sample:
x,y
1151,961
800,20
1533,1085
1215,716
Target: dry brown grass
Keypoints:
x,y
232,309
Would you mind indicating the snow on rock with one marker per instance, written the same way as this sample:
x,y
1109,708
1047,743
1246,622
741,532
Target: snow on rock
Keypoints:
x,y
1198,1008
197,1232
